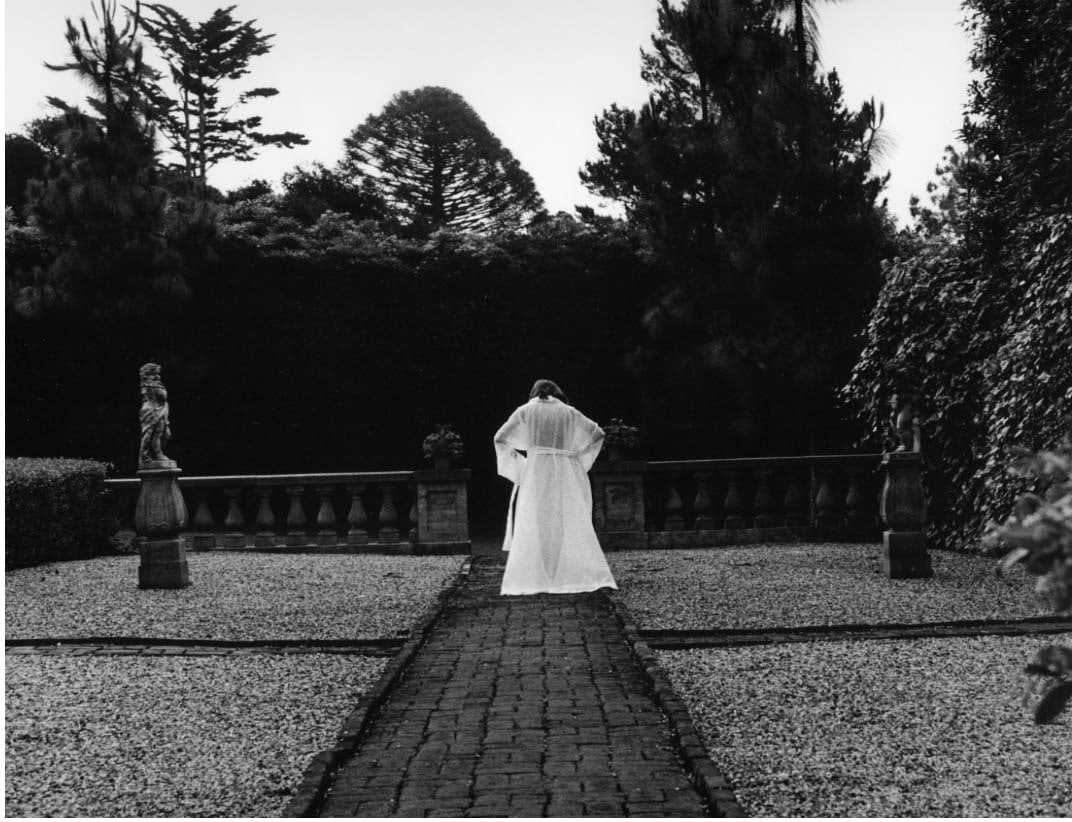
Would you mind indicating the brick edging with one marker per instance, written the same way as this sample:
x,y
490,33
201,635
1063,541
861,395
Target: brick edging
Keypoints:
x,y
317,778
186,642
705,776
690,639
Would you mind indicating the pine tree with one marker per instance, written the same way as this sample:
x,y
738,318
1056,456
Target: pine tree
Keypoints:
x,y
431,157
770,230
202,58
100,203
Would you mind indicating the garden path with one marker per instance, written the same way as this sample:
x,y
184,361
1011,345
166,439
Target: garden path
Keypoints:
x,y
518,706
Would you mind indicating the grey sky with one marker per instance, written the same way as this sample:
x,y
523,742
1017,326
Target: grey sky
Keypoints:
x,y
538,73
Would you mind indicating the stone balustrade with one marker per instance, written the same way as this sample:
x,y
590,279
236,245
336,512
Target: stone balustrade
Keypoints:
x,y
685,503
395,511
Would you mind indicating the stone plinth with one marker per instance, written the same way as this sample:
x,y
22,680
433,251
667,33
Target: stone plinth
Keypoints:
x,y
618,503
903,509
159,518
442,507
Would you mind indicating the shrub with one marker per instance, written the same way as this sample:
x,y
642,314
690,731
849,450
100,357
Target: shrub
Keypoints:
x,y
1040,531
54,510
987,348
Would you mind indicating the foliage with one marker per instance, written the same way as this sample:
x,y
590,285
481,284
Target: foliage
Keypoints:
x,y
618,433
24,160
754,182
308,193
1019,105
443,441
100,204
54,509
953,195
976,317
431,157
1040,533
202,58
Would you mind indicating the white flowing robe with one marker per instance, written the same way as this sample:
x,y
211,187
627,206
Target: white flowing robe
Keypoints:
x,y
551,541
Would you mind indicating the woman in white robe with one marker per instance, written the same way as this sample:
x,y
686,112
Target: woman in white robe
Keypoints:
x,y
546,448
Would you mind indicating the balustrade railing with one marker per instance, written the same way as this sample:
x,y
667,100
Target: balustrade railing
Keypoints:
x,y
695,502
396,510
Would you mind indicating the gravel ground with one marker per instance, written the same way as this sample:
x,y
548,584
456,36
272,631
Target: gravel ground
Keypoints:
x,y
930,727
791,585
167,736
232,596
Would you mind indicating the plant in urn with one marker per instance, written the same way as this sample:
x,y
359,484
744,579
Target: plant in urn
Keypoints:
x,y
160,515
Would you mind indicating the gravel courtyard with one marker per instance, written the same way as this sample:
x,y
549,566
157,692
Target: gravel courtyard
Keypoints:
x,y
231,596
923,727
767,586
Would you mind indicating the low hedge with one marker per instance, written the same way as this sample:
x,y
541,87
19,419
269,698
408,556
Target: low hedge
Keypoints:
x,y
55,509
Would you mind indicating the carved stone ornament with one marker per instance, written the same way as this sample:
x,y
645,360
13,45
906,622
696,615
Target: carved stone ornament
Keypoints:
x,y
155,427
905,420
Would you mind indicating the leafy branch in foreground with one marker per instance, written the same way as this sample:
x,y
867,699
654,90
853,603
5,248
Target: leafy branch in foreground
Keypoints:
x,y
1040,531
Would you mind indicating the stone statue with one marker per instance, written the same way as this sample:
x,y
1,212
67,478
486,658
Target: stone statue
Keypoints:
x,y
906,421
155,429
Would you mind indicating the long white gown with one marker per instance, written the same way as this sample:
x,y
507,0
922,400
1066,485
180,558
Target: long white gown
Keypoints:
x,y
551,541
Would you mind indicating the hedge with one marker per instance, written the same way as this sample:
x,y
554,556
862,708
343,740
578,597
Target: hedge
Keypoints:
x,y
54,510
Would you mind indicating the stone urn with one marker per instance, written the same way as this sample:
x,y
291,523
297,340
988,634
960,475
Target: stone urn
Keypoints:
x,y
442,461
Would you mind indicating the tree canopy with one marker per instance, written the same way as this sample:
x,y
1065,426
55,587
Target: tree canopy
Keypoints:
x,y
755,183
99,201
431,157
203,59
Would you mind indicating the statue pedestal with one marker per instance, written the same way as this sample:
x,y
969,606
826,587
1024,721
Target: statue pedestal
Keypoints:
x,y
905,555
163,564
159,518
903,508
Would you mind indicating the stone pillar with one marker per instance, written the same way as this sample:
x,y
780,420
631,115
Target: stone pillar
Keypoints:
x,y
443,508
618,508
903,510
160,515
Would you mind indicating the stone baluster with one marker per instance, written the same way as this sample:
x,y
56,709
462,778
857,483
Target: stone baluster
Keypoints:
x,y
120,515
795,504
388,516
265,521
857,520
703,506
826,515
233,522
203,537
325,517
734,504
411,515
112,513
357,519
764,505
675,519
296,524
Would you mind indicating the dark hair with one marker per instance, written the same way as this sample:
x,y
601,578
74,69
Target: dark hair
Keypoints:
x,y
545,388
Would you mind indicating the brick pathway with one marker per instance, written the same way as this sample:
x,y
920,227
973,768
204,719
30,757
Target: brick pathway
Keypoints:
x,y
517,706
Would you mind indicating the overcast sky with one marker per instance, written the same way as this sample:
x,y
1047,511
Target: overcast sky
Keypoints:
x,y
536,72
